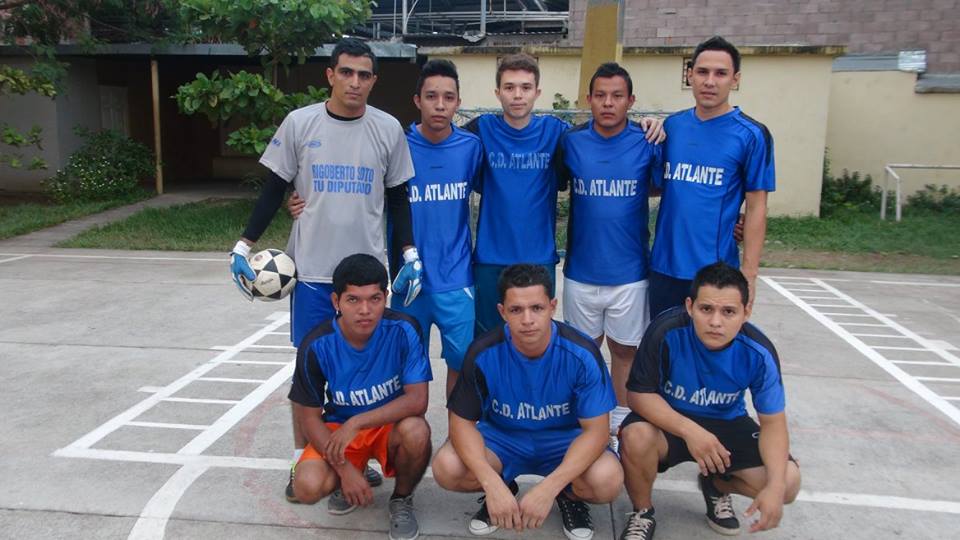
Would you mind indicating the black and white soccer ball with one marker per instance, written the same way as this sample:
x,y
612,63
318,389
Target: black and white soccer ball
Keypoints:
x,y
276,275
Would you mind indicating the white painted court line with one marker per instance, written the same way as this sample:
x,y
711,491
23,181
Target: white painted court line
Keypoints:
x,y
131,456
905,378
816,297
202,400
256,362
916,283
922,363
894,336
282,347
845,314
166,425
889,348
231,380
11,259
878,325
112,257
152,523
804,290
938,379
834,305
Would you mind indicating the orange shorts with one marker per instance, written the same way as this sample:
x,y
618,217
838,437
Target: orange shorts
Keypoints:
x,y
369,443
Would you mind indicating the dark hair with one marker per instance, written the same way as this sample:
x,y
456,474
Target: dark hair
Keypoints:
x,y
438,67
720,275
358,270
524,275
352,47
519,62
610,70
717,43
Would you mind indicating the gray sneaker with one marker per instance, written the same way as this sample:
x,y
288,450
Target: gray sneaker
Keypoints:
x,y
337,504
403,522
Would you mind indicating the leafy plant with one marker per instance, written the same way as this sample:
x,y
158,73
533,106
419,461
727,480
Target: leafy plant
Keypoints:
x,y
107,166
934,199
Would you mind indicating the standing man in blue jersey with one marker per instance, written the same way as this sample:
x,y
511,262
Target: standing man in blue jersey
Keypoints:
x,y
687,389
360,392
518,213
345,158
532,398
447,161
609,166
716,158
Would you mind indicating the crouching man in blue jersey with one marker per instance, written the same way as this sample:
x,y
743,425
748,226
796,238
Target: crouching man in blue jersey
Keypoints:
x,y
533,398
686,392
360,392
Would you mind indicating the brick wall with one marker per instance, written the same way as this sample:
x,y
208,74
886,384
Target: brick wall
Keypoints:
x,y
864,26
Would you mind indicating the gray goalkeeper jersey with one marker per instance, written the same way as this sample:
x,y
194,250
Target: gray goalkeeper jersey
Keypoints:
x,y
342,169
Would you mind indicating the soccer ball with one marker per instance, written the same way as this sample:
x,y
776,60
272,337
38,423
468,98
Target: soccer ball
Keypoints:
x,y
276,275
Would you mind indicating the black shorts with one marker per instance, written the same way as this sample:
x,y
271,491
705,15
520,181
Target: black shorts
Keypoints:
x,y
741,436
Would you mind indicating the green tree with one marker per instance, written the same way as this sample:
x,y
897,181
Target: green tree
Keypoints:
x,y
278,32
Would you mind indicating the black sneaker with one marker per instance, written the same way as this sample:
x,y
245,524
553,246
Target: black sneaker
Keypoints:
x,y
720,515
291,498
575,515
640,525
480,522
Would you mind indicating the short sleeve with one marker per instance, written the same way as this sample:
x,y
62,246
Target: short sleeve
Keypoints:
x,y
416,365
594,389
759,174
281,153
308,378
656,166
767,387
400,164
645,372
465,400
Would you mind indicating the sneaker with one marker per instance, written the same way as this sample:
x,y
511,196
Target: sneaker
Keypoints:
x,y
640,526
403,522
720,515
480,522
575,515
291,498
373,477
337,504
614,444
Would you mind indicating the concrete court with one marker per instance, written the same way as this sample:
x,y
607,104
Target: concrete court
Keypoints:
x,y
143,398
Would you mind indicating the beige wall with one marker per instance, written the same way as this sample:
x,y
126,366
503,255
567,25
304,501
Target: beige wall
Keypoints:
x,y
876,118
790,94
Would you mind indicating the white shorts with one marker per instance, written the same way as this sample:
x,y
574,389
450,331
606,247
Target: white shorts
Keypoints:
x,y
618,311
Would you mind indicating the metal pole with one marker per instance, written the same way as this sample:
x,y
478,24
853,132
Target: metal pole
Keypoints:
x,y
483,17
403,29
883,193
155,86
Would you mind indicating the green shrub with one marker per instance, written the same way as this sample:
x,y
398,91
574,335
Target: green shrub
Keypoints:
x,y
848,193
107,166
934,199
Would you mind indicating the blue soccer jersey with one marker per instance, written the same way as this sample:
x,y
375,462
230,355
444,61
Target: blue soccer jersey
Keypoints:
x,y
607,233
709,166
518,216
440,207
345,381
503,388
673,362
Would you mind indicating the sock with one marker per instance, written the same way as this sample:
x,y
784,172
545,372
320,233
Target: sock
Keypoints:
x,y
297,453
396,495
616,418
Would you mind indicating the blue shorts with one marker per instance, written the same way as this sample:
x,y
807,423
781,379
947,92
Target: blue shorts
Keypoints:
x,y
452,312
526,452
310,305
665,292
485,277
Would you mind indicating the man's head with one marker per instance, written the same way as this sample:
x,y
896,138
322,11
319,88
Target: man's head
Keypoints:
x,y
437,95
518,85
718,304
351,74
359,295
610,97
527,305
713,72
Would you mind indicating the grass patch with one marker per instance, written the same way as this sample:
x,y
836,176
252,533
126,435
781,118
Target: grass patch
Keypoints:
x,y
210,225
18,217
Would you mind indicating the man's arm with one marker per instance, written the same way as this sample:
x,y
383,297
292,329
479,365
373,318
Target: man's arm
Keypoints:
x,y
774,451
585,449
754,232
468,442
413,402
711,456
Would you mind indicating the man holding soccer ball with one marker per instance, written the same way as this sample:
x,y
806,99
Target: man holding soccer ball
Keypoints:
x,y
343,157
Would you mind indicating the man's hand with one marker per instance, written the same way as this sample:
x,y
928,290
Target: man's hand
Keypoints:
x,y
535,506
503,508
295,205
653,129
751,276
738,229
243,275
354,486
706,449
770,504
410,278
336,447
